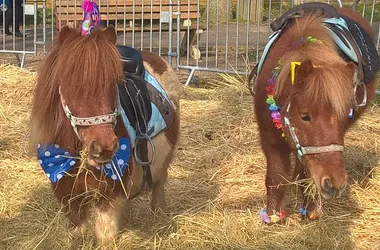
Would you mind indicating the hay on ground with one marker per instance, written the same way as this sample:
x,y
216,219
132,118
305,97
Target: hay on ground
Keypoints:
x,y
215,187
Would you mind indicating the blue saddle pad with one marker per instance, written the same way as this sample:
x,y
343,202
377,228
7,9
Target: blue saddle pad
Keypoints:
x,y
161,111
339,29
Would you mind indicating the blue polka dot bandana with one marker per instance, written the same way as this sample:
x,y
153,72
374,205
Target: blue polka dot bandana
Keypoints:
x,y
56,161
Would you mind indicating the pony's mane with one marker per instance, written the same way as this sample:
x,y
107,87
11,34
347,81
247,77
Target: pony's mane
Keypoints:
x,y
82,66
329,84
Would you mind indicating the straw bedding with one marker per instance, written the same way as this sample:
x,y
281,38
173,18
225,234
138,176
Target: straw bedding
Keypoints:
x,y
215,187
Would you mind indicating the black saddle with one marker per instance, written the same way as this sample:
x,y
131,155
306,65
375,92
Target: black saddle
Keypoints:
x,y
132,60
136,98
369,57
135,101
324,9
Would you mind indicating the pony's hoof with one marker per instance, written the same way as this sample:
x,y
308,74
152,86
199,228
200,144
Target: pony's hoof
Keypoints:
x,y
77,237
274,218
160,213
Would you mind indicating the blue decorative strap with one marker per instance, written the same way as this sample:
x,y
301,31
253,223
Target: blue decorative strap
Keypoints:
x,y
56,161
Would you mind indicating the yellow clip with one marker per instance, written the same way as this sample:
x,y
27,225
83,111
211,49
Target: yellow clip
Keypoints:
x,y
293,70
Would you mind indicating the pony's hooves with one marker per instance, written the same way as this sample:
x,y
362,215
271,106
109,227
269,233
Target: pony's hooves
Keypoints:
x,y
158,207
158,211
77,237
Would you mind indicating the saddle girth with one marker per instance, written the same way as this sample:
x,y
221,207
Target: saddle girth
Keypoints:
x,y
134,99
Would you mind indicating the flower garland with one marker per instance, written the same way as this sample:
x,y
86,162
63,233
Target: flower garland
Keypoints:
x,y
273,107
276,217
277,120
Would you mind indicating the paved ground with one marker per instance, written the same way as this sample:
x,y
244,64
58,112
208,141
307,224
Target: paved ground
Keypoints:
x,y
222,47
218,42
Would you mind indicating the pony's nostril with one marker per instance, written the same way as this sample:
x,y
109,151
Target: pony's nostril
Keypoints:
x,y
327,184
95,149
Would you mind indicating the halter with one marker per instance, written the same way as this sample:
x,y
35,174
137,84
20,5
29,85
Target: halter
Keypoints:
x,y
301,150
92,120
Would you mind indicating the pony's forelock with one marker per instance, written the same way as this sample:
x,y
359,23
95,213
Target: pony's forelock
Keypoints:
x,y
330,84
92,61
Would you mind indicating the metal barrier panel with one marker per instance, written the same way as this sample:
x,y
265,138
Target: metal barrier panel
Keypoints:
x,y
231,34
20,32
142,24
206,35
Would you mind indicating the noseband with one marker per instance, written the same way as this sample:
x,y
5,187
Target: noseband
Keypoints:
x,y
93,120
301,150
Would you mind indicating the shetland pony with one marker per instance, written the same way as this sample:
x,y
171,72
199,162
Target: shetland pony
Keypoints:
x,y
305,100
80,77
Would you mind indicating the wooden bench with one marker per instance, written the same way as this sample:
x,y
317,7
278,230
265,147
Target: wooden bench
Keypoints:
x,y
137,14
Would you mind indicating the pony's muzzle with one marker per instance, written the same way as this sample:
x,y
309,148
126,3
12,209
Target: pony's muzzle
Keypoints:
x,y
330,190
102,153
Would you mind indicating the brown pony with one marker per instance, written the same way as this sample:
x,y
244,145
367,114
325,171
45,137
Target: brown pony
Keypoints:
x,y
84,73
314,111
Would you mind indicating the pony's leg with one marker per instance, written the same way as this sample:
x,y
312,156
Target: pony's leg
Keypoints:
x,y
158,202
277,177
109,217
75,209
159,170
77,214
77,237
308,203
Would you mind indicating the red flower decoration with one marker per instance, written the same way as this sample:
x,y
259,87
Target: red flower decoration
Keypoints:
x,y
278,125
282,214
270,90
276,120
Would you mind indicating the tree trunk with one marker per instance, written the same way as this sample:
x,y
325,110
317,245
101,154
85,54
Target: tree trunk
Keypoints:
x,y
220,11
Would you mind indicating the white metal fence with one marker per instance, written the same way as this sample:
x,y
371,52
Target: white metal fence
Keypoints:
x,y
20,33
195,35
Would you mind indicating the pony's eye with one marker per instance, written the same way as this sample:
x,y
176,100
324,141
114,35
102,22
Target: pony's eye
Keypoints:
x,y
306,117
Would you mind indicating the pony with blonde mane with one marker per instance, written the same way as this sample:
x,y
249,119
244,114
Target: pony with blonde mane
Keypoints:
x,y
305,100
81,75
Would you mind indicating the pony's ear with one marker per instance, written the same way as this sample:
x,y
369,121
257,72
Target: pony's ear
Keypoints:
x,y
302,72
350,67
305,68
110,33
64,33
